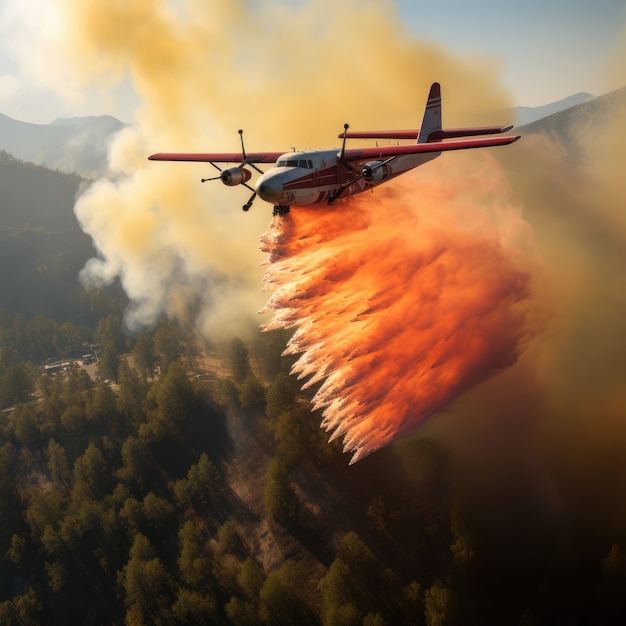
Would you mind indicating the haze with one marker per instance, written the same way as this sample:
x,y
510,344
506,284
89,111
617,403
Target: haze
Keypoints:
x,y
464,327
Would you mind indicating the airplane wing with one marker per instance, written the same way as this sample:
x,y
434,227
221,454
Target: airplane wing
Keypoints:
x,y
217,157
434,136
359,154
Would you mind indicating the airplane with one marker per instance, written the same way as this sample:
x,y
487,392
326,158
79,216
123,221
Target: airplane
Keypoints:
x,y
317,176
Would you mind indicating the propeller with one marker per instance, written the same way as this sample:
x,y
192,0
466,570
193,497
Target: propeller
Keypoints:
x,y
343,143
341,159
219,169
244,162
245,157
247,205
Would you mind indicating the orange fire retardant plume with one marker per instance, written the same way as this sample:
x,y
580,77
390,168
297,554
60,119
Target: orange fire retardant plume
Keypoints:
x,y
402,300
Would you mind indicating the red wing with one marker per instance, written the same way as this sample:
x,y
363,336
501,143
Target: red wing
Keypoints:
x,y
359,154
217,157
434,136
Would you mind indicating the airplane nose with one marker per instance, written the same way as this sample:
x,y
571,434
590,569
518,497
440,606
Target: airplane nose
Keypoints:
x,y
270,189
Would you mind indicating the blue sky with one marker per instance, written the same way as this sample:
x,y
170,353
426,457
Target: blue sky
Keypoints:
x,y
548,49
545,50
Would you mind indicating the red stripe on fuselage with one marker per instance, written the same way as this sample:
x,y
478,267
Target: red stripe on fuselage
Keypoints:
x,y
324,178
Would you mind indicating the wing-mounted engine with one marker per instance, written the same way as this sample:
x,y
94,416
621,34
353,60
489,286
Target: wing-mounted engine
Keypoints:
x,y
375,171
235,176
232,176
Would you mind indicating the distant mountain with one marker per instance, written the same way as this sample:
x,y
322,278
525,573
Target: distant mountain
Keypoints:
x,y
77,144
526,115
566,124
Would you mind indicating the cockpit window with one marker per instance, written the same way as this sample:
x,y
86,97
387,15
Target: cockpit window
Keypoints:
x,y
303,163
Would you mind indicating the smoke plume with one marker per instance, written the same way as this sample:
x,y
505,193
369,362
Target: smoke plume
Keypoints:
x,y
549,432
283,72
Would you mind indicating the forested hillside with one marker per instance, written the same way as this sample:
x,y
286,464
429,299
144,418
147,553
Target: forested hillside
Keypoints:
x,y
207,494
42,248
37,196
202,499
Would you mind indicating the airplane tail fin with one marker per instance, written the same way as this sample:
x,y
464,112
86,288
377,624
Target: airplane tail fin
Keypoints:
x,y
431,124
431,130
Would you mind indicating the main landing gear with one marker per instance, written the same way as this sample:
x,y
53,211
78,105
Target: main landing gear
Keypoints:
x,y
280,209
332,196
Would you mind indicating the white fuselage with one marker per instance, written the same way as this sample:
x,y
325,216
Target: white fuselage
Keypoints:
x,y
317,175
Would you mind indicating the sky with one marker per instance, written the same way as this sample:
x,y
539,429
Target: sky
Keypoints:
x,y
548,49
544,51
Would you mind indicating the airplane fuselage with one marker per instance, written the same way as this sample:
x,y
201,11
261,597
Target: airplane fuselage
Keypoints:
x,y
314,176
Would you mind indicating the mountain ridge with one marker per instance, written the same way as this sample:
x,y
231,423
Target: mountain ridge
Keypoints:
x,y
75,144
84,119
566,125
526,115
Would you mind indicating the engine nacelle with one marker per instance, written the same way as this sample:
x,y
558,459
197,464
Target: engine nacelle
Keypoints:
x,y
235,176
375,170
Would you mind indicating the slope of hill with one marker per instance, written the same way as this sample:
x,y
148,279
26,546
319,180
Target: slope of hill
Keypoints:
x,y
569,125
42,247
37,196
527,115
71,145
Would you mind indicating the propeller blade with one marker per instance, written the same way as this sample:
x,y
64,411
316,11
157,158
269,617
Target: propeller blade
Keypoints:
x,y
248,204
343,144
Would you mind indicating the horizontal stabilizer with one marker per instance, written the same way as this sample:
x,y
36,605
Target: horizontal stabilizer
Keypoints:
x,y
453,133
436,135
